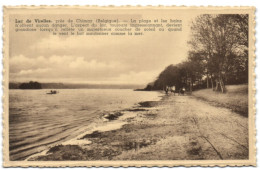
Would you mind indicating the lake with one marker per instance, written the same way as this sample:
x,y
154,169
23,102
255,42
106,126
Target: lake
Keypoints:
x,y
38,120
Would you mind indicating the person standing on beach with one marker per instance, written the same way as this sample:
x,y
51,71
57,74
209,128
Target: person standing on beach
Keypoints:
x,y
166,90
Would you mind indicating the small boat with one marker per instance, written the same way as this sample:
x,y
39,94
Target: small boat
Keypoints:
x,y
52,92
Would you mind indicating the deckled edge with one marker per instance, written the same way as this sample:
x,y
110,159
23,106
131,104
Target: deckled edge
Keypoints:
x,y
3,87
7,163
254,83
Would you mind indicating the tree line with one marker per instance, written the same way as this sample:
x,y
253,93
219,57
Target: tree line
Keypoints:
x,y
218,55
30,85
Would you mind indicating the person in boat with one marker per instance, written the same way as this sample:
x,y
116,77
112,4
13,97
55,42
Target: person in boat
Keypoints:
x,y
52,92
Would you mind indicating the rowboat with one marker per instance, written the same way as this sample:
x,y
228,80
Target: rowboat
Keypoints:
x,y
52,92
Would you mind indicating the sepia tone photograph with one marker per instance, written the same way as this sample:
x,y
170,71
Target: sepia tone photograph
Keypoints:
x,y
171,85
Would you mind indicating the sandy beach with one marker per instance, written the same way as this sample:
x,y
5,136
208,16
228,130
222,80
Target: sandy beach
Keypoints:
x,y
174,128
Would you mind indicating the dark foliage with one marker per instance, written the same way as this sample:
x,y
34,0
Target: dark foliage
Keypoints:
x,y
218,55
30,85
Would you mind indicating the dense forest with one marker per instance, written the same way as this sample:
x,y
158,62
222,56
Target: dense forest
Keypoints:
x,y
30,85
218,55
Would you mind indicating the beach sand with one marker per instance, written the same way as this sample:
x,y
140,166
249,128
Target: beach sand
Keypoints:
x,y
174,128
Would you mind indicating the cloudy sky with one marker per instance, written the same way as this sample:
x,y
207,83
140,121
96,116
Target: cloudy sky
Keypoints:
x,y
95,59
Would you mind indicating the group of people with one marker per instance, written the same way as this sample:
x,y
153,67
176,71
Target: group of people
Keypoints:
x,y
172,89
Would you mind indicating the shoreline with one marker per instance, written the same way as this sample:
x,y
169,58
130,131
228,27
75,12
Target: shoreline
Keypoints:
x,y
153,128
110,122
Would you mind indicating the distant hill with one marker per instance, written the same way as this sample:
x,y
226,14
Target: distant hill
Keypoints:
x,y
30,85
53,86
102,86
15,85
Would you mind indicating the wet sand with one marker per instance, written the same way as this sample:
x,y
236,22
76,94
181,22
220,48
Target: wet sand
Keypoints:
x,y
175,128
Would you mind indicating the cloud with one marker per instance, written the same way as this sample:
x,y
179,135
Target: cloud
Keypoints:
x,y
31,72
111,59
62,67
20,62
76,42
76,69
80,63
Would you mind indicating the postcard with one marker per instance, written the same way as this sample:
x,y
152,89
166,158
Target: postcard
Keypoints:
x,y
129,86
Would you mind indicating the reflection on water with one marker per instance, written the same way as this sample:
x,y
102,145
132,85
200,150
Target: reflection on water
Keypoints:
x,y
38,120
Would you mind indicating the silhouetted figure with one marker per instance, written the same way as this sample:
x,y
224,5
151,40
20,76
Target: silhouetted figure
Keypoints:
x,y
166,90
182,91
52,92
173,90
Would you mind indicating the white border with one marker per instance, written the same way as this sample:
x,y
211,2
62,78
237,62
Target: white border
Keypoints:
x,y
255,3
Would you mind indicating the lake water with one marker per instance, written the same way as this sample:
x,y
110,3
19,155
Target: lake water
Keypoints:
x,y
38,120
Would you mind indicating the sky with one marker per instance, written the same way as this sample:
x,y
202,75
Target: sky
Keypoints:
x,y
44,57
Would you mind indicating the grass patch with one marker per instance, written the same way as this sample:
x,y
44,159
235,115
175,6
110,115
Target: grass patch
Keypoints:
x,y
236,98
